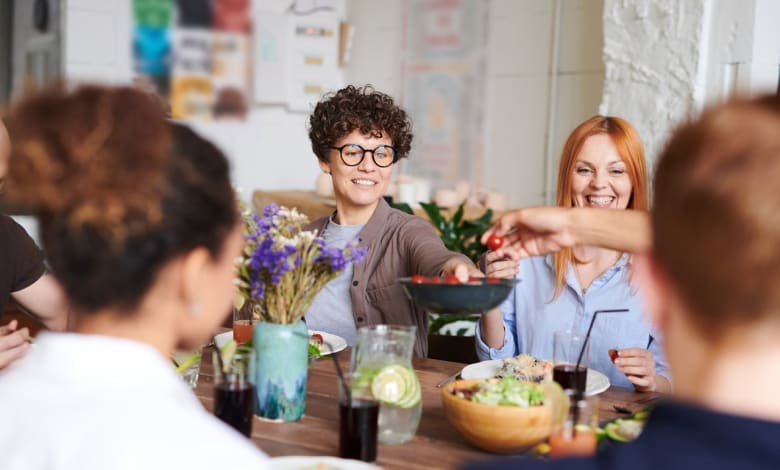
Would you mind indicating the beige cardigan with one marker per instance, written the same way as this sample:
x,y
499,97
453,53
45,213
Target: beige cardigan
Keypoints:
x,y
399,245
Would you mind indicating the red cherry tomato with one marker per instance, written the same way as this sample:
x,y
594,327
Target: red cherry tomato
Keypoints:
x,y
495,242
613,354
451,279
475,279
435,280
417,279
317,338
494,280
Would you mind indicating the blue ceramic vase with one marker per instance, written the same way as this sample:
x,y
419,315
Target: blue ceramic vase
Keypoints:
x,y
281,370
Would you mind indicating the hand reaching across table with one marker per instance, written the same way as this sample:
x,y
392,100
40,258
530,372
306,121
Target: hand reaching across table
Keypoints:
x,y
537,231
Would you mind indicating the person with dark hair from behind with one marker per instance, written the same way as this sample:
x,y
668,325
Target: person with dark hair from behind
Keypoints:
x,y
23,277
140,225
358,134
712,285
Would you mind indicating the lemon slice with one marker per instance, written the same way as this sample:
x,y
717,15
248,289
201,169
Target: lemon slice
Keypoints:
x,y
557,399
188,362
396,385
226,353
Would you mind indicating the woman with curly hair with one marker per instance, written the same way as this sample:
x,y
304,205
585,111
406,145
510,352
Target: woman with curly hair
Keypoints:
x,y
358,134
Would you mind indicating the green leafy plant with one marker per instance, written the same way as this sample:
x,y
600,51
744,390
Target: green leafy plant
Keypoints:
x,y
458,234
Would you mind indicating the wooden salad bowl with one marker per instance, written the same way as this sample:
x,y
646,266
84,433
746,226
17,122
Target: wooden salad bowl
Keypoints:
x,y
501,429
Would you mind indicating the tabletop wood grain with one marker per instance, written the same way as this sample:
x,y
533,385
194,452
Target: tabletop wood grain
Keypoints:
x,y
436,444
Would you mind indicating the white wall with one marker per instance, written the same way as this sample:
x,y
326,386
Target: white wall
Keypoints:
x,y
519,63
665,60
270,150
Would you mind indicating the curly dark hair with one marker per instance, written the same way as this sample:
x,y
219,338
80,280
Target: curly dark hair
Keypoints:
x,y
118,190
362,108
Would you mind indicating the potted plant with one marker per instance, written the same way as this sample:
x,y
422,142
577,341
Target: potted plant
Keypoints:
x,y
282,268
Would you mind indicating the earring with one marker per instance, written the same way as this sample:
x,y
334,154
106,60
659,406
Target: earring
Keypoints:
x,y
195,309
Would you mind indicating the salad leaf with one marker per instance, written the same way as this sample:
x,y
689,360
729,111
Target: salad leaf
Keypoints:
x,y
508,392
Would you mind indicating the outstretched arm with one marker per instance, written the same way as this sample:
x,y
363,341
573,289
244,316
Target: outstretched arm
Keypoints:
x,y
538,231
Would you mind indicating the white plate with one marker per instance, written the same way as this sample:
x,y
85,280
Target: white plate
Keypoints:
x,y
336,342
597,382
308,462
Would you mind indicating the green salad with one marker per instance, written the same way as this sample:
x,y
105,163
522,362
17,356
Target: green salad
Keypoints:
x,y
507,391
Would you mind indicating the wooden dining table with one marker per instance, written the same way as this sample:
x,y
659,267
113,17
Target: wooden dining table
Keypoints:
x,y
436,445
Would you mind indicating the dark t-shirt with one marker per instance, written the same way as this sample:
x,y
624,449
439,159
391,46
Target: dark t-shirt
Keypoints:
x,y
21,262
677,437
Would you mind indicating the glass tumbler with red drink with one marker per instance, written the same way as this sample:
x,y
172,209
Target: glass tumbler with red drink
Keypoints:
x,y
570,360
234,389
358,419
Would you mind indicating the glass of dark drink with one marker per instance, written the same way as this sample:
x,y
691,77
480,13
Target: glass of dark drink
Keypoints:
x,y
358,421
567,346
234,389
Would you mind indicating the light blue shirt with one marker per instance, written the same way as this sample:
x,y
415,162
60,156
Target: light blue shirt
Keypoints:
x,y
530,318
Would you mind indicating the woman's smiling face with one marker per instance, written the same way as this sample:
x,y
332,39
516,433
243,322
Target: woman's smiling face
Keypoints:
x,y
599,177
358,188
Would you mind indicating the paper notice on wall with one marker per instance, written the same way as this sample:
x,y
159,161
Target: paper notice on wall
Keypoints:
x,y
444,77
313,60
230,74
270,57
192,91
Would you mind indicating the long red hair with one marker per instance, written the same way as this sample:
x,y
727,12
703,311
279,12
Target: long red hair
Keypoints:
x,y
629,147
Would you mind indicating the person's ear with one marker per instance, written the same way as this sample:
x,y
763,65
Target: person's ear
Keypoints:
x,y
194,279
324,166
654,289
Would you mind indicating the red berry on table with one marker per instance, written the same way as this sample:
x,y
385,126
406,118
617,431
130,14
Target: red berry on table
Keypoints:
x,y
436,280
495,242
417,279
451,279
494,280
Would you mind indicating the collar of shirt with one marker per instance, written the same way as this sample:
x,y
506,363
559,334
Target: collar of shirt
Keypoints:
x,y
571,277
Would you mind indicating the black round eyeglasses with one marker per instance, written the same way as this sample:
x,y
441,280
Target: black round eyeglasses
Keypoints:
x,y
352,155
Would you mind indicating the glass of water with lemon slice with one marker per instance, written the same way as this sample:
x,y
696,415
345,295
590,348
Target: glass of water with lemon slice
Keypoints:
x,y
187,364
382,358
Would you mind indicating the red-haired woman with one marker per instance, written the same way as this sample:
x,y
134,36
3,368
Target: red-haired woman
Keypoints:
x,y
602,165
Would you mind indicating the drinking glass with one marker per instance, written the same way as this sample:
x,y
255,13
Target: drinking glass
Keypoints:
x,y
243,322
358,419
576,435
234,389
566,352
383,354
187,364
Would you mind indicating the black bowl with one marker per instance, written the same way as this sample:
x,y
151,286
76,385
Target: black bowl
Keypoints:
x,y
476,296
